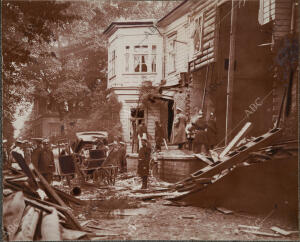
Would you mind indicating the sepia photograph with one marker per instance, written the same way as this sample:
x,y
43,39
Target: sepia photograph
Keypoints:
x,y
150,120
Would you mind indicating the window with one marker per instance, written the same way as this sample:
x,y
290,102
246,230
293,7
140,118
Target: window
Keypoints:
x,y
153,59
197,35
141,59
171,53
113,63
140,63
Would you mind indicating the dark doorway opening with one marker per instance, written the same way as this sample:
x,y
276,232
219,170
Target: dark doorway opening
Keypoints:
x,y
170,118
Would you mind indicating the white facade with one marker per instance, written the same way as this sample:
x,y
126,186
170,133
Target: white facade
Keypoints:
x,y
134,56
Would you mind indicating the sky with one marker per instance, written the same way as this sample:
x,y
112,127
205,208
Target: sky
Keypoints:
x,y
20,119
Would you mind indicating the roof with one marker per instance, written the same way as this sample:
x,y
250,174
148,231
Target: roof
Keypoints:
x,y
128,23
173,10
91,136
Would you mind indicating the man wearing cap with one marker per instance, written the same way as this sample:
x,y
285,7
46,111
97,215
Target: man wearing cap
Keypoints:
x,y
144,162
200,142
179,128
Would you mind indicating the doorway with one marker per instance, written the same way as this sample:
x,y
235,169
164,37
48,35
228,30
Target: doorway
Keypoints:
x,y
170,118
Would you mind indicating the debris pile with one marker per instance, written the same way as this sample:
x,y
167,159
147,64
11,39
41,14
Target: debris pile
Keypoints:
x,y
253,151
35,210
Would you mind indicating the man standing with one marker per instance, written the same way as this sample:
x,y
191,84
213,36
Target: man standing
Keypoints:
x,y
142,129
46,163
200,141
179,129
144,162
27,152
159,135
36,154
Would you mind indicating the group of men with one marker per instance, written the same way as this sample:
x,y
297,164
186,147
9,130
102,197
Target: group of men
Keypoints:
x,y
40,155
200,134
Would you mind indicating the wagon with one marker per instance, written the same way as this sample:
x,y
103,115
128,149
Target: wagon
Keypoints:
x,y
88,158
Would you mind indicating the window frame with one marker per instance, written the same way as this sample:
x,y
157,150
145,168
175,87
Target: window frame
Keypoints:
x,y
200,17
171,53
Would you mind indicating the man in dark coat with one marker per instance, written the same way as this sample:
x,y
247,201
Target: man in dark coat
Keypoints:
x,y
144,162
179,129
200,140
159,135
142,129
36,154
46,162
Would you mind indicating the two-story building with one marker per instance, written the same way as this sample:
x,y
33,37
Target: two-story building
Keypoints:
x,y
135,55
213,55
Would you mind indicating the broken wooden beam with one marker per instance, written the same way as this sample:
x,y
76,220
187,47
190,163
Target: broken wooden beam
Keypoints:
x,y
283,232
28,225
259,233
236,139
50,227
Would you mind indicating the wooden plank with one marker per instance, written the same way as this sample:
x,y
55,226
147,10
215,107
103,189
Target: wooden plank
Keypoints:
x,y
209,22
209,37
237,156
260,233
210,14
282,231
284,11
204,158
203,64
236,139
208,44
224,210
248,227
208,30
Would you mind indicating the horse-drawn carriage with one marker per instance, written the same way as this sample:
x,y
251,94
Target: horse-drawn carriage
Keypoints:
x,y
88,158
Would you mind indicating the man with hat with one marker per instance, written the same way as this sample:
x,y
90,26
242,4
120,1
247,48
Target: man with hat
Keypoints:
x,y
179,128
200,140
144,162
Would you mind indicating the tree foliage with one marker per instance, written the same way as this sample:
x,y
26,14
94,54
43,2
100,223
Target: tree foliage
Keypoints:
x,y
59,54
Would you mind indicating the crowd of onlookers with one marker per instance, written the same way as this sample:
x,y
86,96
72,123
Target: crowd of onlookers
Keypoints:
x,y
198,135
46,156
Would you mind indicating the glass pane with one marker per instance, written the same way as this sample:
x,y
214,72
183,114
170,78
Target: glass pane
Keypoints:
x,y
137,63
144,63
153,64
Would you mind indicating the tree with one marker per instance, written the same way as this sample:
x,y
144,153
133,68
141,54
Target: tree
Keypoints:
x,y
75,63
27,28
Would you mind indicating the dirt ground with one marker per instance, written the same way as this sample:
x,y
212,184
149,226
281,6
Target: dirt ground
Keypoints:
x,y
120,213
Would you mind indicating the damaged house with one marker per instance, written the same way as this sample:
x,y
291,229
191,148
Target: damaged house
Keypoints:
x,y
206,60
238,60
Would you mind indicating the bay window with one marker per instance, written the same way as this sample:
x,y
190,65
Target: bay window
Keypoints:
x,y
140,58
